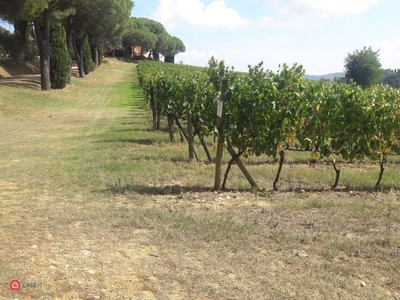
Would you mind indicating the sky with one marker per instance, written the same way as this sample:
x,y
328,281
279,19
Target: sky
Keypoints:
x,y
317,34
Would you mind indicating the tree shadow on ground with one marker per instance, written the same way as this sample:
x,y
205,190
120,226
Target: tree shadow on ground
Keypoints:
x,y
133,130
133,141
15,68
174,189
28,84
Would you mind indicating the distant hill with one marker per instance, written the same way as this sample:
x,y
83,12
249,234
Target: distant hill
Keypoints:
x,y
326,76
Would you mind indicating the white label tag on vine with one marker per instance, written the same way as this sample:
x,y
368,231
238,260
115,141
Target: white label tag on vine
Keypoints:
x,y
219,108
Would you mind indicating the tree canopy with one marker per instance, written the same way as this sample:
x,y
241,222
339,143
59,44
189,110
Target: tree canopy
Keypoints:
x,y
391,77
95,20
86,21
174,46
6,39
363,67
10,10
152,37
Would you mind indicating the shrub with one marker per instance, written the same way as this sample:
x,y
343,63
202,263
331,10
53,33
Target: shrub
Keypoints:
x,y
60,61
87,58
101,52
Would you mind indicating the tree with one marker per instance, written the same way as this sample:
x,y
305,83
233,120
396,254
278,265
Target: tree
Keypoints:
x,y
111,26
174,46
97,53
42,13
113,46
11,12
143,32
152,37
97,21
363,67
87,57
161,45
139,34
100,53
6,41
391,77
60,61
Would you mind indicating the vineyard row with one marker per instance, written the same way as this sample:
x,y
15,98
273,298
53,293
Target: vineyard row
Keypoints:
x,y
266,112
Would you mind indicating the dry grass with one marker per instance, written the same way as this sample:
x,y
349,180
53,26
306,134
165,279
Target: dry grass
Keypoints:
x,y
95,205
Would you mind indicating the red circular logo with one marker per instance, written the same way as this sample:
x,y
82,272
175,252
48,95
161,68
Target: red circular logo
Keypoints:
x,y
15,285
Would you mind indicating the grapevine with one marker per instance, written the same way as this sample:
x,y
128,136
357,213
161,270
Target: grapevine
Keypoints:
x,y
268,112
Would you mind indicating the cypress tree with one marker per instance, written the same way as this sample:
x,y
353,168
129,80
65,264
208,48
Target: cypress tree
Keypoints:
x,y
87,57
101,52
97,53
60,61
93,49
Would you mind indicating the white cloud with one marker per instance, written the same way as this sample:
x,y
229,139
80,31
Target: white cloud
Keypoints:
x,y
212,53
388,52
193,54
273,23
322,8
267,19
235,52
196,58
195,12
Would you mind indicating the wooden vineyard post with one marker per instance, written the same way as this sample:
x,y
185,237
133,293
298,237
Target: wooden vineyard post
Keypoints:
x,y
242,167
189,129
220,145
153,108
170,127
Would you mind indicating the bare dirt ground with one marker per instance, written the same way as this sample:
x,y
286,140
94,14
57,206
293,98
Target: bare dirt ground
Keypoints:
x,y
94,205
